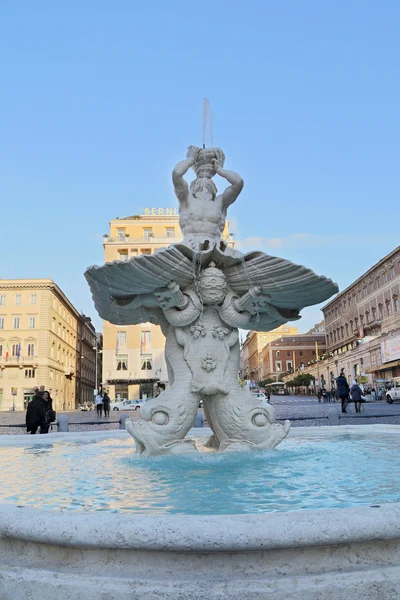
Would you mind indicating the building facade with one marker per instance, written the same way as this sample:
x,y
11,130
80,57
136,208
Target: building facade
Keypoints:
x,y
251,358
290,353
362,328
363,320
86,361
41,344
133,356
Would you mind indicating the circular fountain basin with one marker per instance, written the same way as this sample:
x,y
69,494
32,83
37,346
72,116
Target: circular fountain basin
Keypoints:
x,y
82,516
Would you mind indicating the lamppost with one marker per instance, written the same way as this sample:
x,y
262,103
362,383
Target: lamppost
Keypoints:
x,y
96,348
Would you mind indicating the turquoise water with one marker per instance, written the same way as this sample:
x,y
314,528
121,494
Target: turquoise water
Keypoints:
x,y
106,476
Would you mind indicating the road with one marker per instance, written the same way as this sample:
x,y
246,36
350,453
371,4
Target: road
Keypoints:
x,y
286,407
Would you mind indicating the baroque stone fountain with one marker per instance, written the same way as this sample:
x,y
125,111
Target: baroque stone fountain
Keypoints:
x,y
200,292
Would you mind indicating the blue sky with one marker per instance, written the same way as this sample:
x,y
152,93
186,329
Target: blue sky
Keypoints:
x,y
100,99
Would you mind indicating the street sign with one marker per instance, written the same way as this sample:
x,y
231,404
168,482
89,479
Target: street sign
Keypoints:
x,y
14,391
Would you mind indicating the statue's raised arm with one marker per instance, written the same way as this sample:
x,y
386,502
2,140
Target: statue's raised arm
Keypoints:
x,y
180,186
232,192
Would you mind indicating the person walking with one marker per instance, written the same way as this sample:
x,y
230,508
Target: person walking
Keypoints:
x,y
50,414
36,414
106,404
342,388
356,395
99,405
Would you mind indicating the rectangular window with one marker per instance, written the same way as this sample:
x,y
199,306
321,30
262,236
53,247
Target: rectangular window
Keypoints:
x,y
392,273
289,365
301,353
122,362
33,299
16,322
278,353
279,365
123,255
170,232
31,349
1,350
371,287
15,350
17,298
121,339
396,304
145,251
147,233
1,322
288,354
134,252
29,373
146,363
121,235
145,341
2,299
32,322
385,277
378,282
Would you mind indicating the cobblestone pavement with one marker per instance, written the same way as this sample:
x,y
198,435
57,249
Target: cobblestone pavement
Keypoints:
x,y
286,407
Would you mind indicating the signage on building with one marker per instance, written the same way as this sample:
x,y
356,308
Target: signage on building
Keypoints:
x,y
166,212
14,391
390,349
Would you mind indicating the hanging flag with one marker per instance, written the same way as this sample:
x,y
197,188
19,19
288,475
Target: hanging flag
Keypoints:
x,y
19,350
7,351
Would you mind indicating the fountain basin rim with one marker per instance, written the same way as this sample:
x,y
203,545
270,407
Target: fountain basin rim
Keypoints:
x,y
202,533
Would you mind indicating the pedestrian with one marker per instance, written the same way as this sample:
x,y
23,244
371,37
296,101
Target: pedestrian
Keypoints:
x,y
342,388
36,414
50,414
106,404
356,395
99,405
373,395
199,420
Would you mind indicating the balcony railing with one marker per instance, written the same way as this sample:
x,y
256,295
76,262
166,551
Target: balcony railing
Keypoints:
x,y
15,360
145,238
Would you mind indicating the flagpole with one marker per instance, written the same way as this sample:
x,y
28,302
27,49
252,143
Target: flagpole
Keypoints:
x,y
316,353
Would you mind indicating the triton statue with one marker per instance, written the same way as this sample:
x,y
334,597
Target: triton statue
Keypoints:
x,y
200,292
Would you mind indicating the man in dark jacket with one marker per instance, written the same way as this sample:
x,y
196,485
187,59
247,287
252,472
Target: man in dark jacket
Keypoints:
x,y
342,388
35,414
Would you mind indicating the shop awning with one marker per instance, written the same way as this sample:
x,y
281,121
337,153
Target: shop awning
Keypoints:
x,y
385,367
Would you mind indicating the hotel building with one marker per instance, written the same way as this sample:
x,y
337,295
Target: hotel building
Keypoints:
x,y
43,341
133,356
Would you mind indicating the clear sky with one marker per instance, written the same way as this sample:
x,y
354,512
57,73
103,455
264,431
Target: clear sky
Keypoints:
x,y
100,99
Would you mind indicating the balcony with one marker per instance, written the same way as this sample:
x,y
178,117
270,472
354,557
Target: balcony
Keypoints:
x,y
142,240
21,361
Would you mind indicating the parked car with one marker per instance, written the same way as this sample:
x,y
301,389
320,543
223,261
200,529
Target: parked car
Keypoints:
x,y
260,396
128,405
393,391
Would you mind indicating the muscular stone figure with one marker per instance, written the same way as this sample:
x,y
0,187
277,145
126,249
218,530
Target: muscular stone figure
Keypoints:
x,y
202,213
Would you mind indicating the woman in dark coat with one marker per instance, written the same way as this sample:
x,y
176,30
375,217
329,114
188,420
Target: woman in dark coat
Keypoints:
x,y
35,414
356,396
342,388
106,404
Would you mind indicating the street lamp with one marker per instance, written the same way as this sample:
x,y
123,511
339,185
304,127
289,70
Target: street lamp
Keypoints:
x,y
97,352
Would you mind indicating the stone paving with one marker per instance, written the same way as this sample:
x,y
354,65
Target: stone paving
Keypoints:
x,y
287,407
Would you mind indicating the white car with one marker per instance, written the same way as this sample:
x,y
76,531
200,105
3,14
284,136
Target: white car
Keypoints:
x,y
128,405
260,396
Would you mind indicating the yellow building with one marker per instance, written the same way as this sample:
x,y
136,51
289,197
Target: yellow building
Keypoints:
x,y
253,367
40,333
133,356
